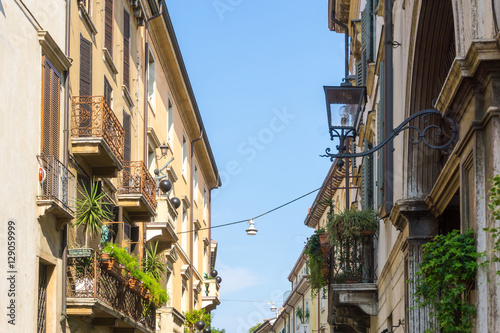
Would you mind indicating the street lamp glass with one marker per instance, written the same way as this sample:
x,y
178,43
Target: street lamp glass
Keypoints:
x,y
344,104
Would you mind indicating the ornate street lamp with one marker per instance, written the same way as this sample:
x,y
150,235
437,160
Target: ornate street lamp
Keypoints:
x,y
344,104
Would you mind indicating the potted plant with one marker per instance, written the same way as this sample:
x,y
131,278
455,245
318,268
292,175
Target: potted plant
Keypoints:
x,y
90,211
152,264
350,224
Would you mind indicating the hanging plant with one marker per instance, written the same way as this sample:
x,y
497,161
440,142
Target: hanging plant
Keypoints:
x,y
350,224
446,273
89,209
152,264
315,261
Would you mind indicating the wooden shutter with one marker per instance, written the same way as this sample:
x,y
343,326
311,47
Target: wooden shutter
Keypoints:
x,y
367,177
107,92
50,109
85,86
108,26
126,49
85,67
128,137
380,137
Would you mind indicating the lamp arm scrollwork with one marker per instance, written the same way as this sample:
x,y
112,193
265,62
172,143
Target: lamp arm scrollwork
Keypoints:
x,y
414,139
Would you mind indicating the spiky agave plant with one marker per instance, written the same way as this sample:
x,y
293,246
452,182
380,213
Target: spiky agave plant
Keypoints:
x,y
90,212
152,264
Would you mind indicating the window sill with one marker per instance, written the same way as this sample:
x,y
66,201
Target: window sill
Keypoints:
x,y
84,15
126,95
109,61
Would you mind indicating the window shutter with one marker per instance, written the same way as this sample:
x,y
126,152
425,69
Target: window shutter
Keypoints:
x,y
51,95
85,67
126,49
107,92
367,177
85,86
108,26
380,137
127,139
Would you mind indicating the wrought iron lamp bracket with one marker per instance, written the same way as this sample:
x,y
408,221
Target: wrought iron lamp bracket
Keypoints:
x,y
415,139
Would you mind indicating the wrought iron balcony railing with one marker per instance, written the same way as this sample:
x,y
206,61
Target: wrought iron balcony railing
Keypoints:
x,y
86,279
92,117
58,185
352,260
136,179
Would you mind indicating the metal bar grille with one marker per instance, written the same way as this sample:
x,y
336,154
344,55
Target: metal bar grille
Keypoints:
x,y
92,117
59,183
136,179
86,278
42,299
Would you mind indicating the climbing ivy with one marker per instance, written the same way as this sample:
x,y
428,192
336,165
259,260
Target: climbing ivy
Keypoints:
x,y
494,207
446,273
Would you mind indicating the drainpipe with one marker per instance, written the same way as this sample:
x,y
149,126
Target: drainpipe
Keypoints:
x,y
388,110
346,46
191,198
146,84
64,242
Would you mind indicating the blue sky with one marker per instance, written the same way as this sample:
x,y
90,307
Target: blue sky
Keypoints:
x,y
258,69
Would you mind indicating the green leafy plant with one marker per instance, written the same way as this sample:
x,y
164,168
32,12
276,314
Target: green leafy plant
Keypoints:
x,y
133,269
446,273
494,207
349,224
193,316
89,209
302,315
253,328
315,261
152,264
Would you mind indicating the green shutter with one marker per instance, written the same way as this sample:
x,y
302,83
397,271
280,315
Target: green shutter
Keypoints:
x,y
380,137
367,177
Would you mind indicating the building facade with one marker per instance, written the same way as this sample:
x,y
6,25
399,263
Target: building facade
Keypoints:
x,y
108,93
442,55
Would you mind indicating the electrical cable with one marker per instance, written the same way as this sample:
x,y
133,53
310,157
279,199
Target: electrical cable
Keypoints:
x,y
246,220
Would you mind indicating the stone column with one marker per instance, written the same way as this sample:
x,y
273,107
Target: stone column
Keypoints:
x,y
422,226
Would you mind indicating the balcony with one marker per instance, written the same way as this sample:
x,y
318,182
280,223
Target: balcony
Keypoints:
x,y
102,298
56,193
96,135
352,283
210,298
137,191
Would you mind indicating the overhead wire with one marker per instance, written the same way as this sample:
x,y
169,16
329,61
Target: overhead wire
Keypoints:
x,y
258,216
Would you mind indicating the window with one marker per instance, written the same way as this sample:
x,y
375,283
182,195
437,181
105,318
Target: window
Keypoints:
x,y
205,202
108,92
170,129
126,49
151,80
184,227
195,183
184,157
87,5
205,259
306,311
108,26
195,250
183,299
